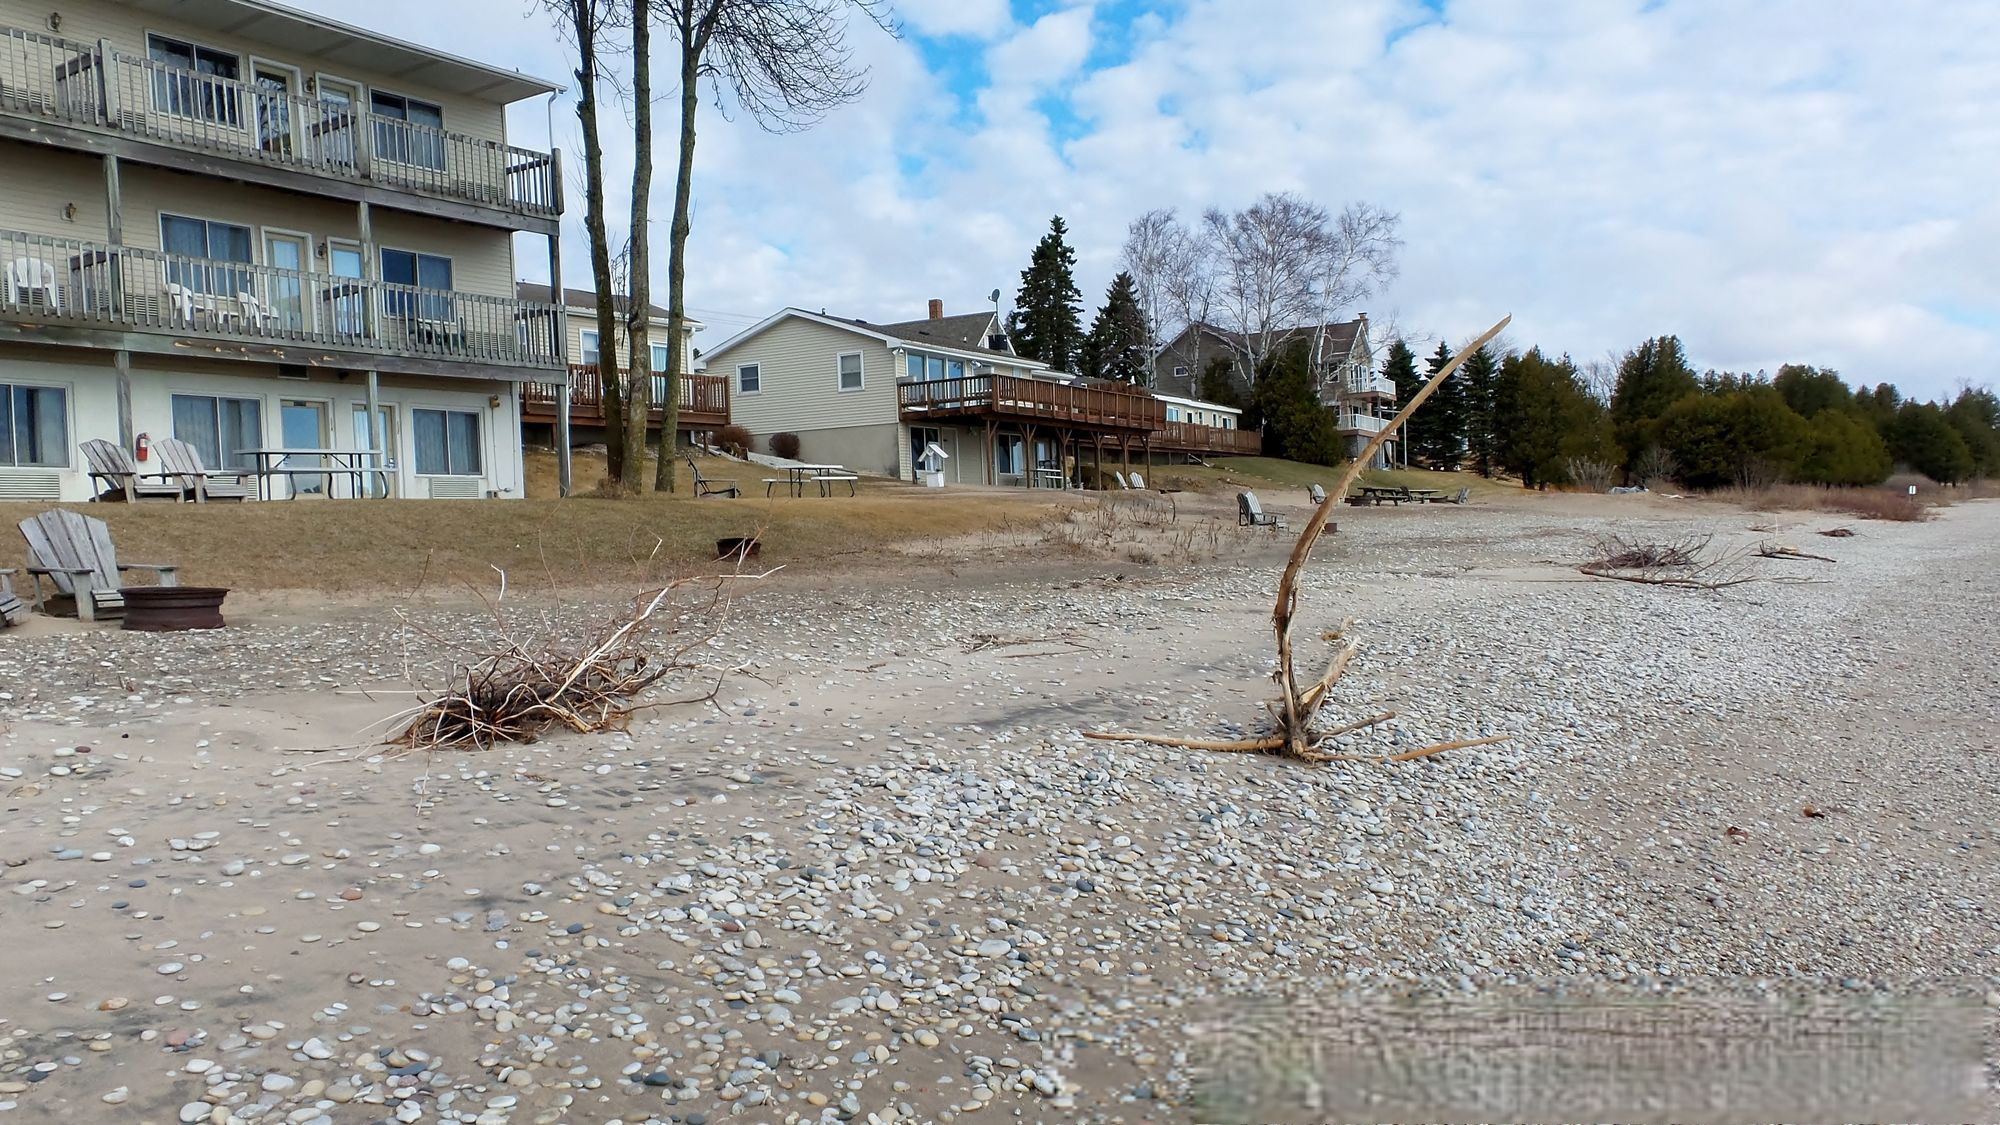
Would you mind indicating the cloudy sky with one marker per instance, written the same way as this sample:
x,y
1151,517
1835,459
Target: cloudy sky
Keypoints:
x,y
1775,181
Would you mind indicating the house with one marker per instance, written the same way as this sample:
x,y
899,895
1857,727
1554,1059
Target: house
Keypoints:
x,y
704,402
249,227
1361,399
875,397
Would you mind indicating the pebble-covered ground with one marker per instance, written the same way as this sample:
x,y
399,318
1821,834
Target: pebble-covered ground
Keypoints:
x,y
884,878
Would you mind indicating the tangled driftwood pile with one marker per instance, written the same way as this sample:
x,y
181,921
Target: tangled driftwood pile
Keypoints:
x,y
1298,708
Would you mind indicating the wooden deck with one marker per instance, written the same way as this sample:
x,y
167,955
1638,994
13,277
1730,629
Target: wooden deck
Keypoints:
x,y
704,401
1131,417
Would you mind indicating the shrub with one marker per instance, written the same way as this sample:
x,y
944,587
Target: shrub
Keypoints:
x,y
734,439
1590,473
785,445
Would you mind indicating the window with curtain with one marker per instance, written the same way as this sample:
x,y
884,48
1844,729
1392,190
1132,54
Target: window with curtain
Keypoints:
x,y
195,81
34,426
425,271
206,242
749,380
408,131
589,356
850,371
221,428
447,442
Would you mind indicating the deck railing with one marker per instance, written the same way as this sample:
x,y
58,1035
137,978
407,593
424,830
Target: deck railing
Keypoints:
x,y
1361,424
1032,398
1194,437
98,284
704,399
95,86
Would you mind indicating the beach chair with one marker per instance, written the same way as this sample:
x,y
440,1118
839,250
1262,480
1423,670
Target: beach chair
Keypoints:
x,y
181,463
706,487
122,479
1120,478
32,282
1460,497
74,553
1139,482
1249,513
1316,494
12,611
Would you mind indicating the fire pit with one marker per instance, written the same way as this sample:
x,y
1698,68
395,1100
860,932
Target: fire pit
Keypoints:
x,y
743,546
160,609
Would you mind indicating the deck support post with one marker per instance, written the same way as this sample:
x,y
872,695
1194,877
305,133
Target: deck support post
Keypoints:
x,y
114,237
122,362
992,473
377,440
560,328
1028,472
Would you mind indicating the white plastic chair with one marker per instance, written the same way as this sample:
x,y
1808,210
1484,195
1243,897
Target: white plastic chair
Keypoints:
x,y
27,277
256,315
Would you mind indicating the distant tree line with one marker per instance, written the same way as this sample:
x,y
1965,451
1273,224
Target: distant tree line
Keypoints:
x,y
1549,422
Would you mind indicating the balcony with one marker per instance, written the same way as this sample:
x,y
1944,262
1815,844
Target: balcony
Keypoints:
x,y
283,139
98,295
704,402
1031,400
1191,437
1372,386
1361,424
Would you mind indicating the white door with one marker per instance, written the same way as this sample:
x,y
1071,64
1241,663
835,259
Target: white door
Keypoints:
x,y
302,425
333,133
346,299
384,439
287,295
276,86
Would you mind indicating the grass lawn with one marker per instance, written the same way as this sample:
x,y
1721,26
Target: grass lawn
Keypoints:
x,y
1269,472
393,545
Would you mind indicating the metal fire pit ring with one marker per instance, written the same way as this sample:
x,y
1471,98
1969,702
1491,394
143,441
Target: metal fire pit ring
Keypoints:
x,y
164,609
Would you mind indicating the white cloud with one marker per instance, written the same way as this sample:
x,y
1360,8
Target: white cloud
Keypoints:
x,y
1793,180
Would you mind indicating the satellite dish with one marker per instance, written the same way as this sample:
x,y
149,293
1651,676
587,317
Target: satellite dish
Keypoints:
x,y
994,296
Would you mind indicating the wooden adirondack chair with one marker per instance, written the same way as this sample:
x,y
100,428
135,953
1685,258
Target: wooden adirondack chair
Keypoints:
x,y
1316,494
1249,513
74,552
181,463
114,465
12,612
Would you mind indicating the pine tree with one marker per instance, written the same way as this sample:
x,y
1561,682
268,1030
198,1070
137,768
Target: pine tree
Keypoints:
x,y
1651,379
1549,423
1119,338
1296,425
1443,443
1401,371
1047,321
1476,391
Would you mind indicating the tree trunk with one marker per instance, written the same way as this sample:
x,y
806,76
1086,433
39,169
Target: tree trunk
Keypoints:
x,y
691,48
639,292
585,16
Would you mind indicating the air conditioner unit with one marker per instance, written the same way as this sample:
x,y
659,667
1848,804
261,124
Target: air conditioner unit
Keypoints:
x,y
30,486
457,488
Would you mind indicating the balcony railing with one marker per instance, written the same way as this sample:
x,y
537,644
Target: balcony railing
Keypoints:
x,y
1034,399
1361,424
97,87
704,401
1371,385
95,284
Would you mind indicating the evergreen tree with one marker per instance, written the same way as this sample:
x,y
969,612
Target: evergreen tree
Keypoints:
x,y
1119,338
1651,378
1401,370
1297,426
1546,419
1809,390
1842,448
1442,443
1047,321
1218,384
1922,438
1739,437
1976,417
1476,380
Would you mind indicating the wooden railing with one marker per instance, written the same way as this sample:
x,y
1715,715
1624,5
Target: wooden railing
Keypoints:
x,y
1192,437
1015,397
95,86
97,284
704,401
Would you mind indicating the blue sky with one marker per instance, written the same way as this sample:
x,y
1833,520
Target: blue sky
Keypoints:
x,y
1784,181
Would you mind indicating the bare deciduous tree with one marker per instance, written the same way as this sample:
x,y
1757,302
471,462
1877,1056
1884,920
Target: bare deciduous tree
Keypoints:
x,y
1359,257
639,294
785,63
1269,258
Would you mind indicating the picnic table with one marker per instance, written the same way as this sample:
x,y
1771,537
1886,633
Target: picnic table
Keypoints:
x,y
800,474
1377,494
348,464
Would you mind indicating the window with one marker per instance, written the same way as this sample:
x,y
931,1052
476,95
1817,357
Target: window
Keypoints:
x,y
1228,423
447,442
589,357
1007,454
34,426
849,366
408,131
1180,372
1173,414
427,271
921,367
194,81
660,358
221,428
194,245
748,379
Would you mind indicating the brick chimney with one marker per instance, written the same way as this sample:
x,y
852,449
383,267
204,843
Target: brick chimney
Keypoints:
x,y
937,309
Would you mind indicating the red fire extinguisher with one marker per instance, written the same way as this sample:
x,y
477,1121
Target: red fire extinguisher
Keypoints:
x,y
142,445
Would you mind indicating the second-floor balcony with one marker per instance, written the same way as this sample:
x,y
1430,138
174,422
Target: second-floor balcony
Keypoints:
x,y
1031,400
98,89
1361,424
103,292
1193,437
704,401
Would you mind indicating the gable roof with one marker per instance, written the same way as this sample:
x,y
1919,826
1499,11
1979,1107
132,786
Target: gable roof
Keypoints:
x,y
901,335
968,331
587,300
